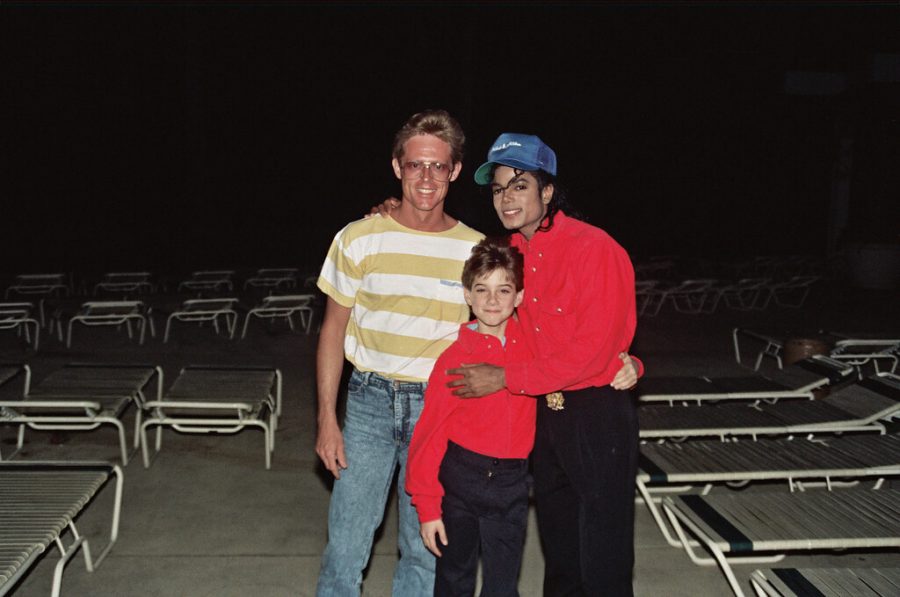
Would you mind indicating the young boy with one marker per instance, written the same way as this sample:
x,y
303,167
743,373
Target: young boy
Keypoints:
x,y
467,471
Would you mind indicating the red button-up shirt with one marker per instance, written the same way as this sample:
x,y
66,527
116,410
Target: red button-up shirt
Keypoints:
x,y
579,308
500,424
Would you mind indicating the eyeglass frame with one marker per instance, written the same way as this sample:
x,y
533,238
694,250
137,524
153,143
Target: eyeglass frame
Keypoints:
x,y
427,166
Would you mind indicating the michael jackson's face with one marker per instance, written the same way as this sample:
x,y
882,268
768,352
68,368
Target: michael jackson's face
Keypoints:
x,y
520,204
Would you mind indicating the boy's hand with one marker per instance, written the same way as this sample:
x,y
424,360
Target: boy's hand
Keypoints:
x,y
428,530
627,376
384,209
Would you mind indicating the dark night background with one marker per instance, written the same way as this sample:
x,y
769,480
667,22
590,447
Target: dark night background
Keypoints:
x,y
172,137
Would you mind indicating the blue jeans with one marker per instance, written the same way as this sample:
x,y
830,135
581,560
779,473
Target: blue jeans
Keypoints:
x,y
381,414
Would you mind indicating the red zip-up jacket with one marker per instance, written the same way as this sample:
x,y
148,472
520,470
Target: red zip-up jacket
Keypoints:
x,y
578,313
500,425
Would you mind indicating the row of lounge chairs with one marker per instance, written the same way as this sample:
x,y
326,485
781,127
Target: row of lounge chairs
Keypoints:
x,y
883,352
760,266
40,501
137,317
833,454
705,295
138,283
83,397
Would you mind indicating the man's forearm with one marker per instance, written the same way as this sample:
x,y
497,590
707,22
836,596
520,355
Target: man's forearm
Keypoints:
x,y
330,361
329,366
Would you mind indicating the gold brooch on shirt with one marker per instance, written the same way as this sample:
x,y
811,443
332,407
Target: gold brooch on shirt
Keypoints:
x,y
555,401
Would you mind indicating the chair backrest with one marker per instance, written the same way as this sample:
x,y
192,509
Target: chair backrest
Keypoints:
x,y
214,303
869,399
288,300
276,271
695,285
111,307
812,372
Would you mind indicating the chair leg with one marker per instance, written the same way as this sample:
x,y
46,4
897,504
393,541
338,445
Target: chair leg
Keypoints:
x,y
137,428
168,327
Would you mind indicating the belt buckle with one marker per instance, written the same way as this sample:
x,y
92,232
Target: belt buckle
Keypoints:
x,y
555,401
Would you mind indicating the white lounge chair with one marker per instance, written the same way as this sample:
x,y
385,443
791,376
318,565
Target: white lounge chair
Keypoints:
x,y
273,277
681,466
882,353
41,285
645,293
688,296
826,582
82,397
787,293
856,407
113,313
39,502
125,283
284,306
769,345
18,317
203,310
763,527
740,296
218,400
795,381
215,280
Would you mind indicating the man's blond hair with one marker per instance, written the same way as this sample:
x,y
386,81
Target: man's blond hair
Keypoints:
x,y
432,122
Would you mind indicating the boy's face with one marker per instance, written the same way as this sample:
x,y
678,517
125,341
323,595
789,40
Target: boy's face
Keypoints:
x,y
493,299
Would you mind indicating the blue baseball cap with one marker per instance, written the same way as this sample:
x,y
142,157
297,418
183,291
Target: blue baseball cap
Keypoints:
x,y
523,152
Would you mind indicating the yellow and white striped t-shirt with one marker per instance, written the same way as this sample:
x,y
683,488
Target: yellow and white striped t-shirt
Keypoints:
x,y
404,289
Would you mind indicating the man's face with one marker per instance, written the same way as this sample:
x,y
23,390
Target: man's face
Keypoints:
x,y
422,187
493,299
519,203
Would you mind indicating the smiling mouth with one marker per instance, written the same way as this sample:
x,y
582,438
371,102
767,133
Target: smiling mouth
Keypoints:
x,y
511,212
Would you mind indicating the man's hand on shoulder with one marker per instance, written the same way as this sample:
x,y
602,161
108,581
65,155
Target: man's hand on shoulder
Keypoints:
x,y
384,209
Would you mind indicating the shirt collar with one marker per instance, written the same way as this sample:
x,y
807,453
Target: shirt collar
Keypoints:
x,y
471,340
542,237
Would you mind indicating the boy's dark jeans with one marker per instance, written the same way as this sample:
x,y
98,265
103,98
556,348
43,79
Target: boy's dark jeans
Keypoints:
x,y
485,512
585,461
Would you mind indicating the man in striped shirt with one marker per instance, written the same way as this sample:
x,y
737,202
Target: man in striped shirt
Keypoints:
x,y
395,302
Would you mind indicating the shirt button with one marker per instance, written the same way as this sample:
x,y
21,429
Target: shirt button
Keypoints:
x,y
537,329
534,299
489,345
534,269
559,309
513,341
496,462
540,254
521,391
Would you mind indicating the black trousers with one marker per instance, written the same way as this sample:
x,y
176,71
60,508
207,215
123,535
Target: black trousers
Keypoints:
x,y
485,512
585,461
